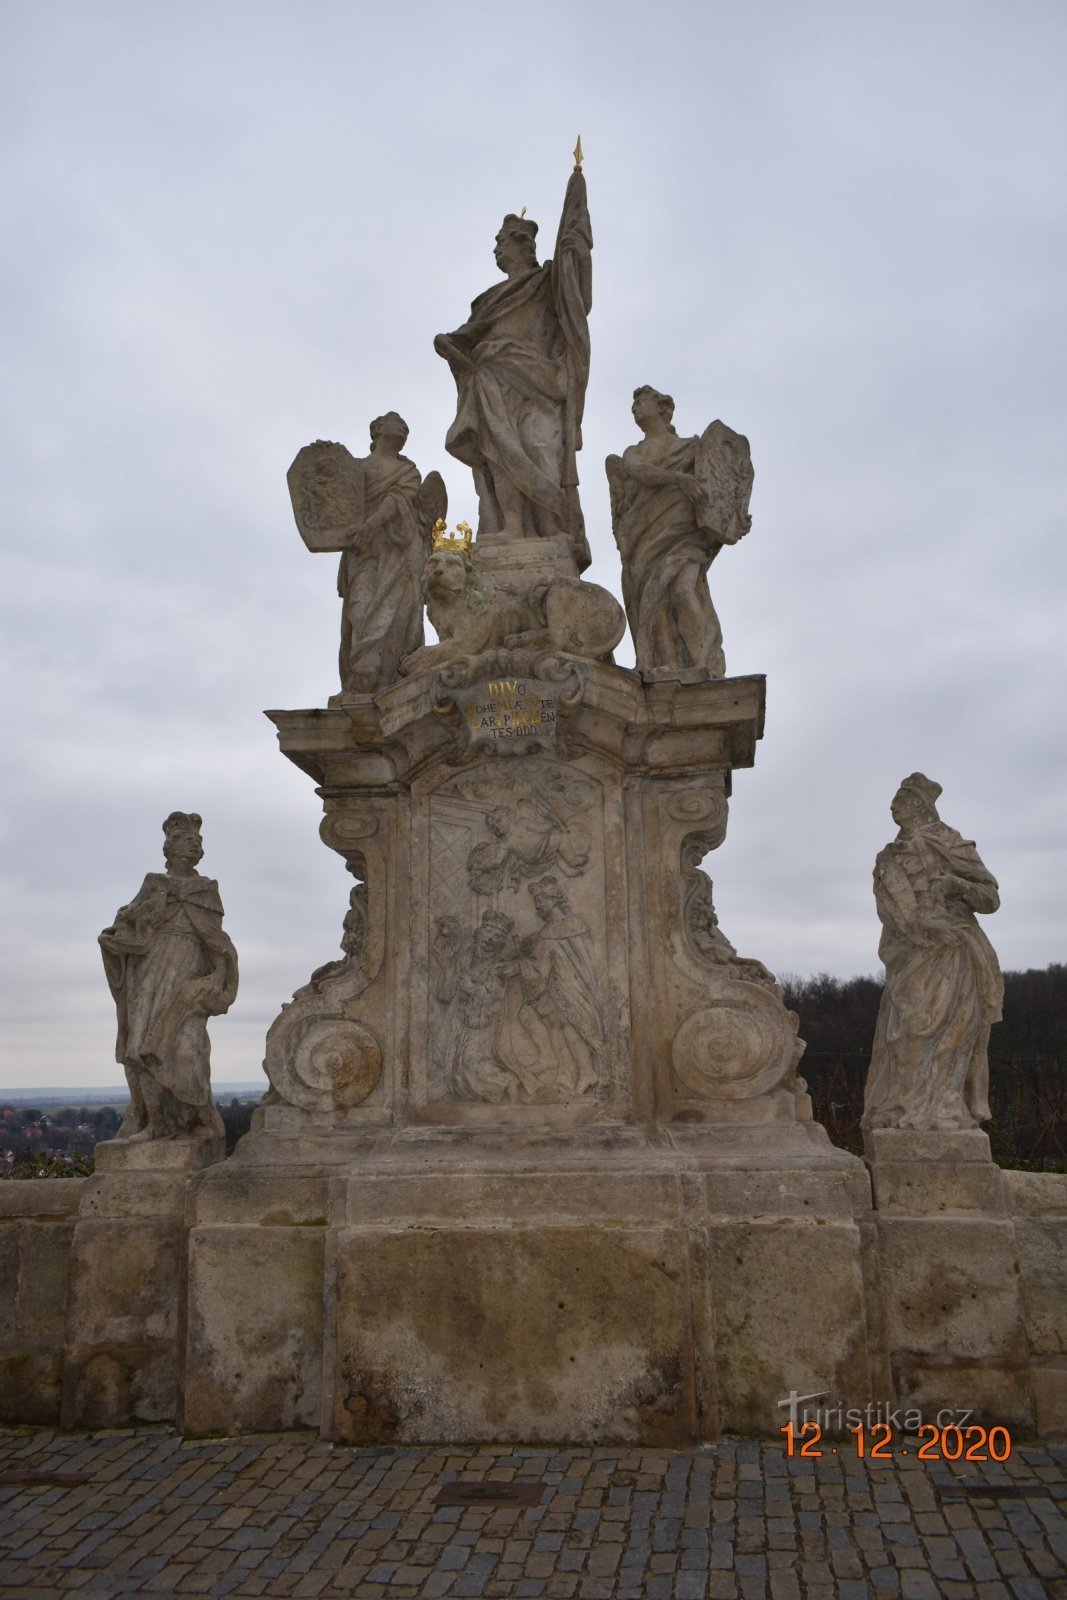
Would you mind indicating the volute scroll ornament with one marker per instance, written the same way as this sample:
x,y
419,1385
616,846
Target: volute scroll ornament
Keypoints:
x,y
744,1044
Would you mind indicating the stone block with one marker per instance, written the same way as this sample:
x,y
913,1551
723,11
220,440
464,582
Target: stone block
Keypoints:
x,y
898,1145
232,1194
124,1195
926,1188
253,1356
1042,1245
1037,1194
42,1287
121,1387
30,1387
951,1287
993,1392
598,1197
158,1155
10,1261
41,1197
513,1333
788,1314
124,1284
788,1192
1048,1381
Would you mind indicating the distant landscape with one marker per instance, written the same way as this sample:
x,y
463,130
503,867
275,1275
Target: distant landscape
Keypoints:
x,y
52,1132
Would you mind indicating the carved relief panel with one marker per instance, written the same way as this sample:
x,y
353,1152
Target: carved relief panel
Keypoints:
x,y
523,999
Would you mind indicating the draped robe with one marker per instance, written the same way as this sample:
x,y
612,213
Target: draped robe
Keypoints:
x,y
169,967
521,380
943,987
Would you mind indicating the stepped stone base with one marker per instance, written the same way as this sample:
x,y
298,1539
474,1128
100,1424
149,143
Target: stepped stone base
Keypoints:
x,y
649,1285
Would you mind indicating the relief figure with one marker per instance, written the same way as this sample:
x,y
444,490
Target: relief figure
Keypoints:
x,y
559,981
488,1046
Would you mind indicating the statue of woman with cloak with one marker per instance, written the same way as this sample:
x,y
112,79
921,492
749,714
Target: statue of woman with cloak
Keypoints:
x,y
521,365
943,988
169,967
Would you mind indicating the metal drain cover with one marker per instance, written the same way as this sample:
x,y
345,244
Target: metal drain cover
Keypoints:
x,y
487,1492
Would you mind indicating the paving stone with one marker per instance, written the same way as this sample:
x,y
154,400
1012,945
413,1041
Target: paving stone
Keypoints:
x,y
286,1516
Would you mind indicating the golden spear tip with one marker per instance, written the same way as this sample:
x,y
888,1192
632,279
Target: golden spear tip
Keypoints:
x,y
578,158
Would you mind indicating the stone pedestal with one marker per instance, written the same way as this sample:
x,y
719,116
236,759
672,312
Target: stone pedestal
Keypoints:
x,y
125,1301
928,1173
949,1261
539,947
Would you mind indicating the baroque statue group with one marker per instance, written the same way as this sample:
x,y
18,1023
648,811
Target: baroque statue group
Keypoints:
x,y
520,998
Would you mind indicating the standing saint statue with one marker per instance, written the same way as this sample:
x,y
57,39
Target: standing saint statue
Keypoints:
x,y
674,504
943,988
169,967
521,365
378,512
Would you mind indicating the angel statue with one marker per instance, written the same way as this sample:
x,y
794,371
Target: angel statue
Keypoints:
x,y
674,504
169,967
378,512
943,988
521,365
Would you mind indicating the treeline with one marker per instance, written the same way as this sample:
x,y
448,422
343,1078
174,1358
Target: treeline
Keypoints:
x,y
1027,1061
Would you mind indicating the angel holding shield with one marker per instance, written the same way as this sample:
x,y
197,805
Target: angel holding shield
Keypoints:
x,y
674,504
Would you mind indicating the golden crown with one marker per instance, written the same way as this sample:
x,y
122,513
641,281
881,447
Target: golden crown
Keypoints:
x,y
461,540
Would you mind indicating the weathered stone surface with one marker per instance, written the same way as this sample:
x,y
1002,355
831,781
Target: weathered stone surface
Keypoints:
x,y
36,1227
674,504
788,1315
521,365
253,1355
379,512
991,1392
579,1332
169,967
1042,1247
125,1301
514,907
927,1173
943,988
1048,1380
952,1288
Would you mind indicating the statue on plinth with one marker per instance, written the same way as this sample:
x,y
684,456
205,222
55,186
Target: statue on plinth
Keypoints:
x,y
943,987
521,365
170,966
378,511
674,504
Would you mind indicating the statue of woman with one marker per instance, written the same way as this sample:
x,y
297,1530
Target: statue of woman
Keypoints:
x,y
674,504
943,988
170,967
521,365
378,512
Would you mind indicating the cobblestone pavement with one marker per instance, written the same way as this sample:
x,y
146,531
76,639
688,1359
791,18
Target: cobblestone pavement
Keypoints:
x,y
145,1513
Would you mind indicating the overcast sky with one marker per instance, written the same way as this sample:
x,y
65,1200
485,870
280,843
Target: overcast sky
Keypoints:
x,y
234,227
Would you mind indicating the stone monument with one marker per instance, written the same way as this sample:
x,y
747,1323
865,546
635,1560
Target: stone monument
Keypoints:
x,y
542,1069
536,1161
